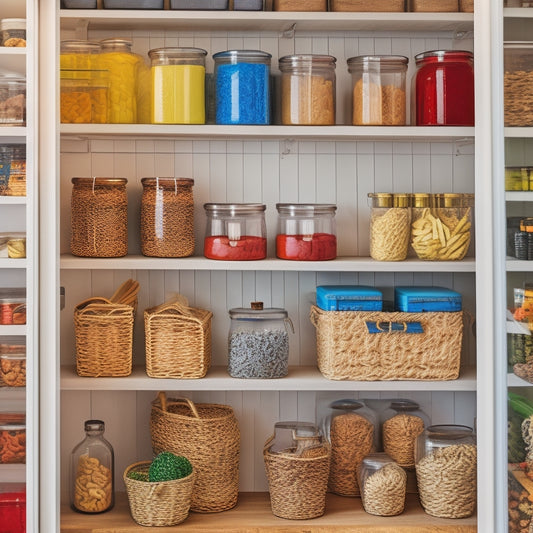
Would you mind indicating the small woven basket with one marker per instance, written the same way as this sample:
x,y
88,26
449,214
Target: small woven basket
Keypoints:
x,y
177,341
104,338
163,503
297,484
365,5
347,350
208,435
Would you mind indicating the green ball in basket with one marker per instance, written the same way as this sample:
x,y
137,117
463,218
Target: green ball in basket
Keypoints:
x,y
159,491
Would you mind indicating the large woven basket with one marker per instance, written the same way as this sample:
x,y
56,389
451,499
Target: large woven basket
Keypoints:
x,y
163,503
208,435
346,350
297,484
104,338
178,341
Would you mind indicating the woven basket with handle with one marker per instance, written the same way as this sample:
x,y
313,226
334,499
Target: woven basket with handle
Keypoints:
x,y
208,435
177,341
161,503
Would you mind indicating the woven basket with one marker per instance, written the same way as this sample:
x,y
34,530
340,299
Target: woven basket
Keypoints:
x,y
104,338
178,341
434,6
297,485
164,503
346,350
366,5
208,435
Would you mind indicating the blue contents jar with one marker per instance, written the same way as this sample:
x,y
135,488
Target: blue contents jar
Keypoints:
x,y
242,87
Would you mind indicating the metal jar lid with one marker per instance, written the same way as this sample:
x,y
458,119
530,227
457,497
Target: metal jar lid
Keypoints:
x,y
167,183
234,209
306,209
258,312
244,56
419,199
381,199
347,405
444,55
12,426
93,182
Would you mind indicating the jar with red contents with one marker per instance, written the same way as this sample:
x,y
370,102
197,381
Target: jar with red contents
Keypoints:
x,y
306,232
235,232
445,88
13,507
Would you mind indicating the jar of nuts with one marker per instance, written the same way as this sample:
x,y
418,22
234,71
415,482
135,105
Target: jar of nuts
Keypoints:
x,y
12,365
91,471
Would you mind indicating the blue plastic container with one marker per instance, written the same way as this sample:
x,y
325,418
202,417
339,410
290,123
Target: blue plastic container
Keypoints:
x,y
348,298
426,299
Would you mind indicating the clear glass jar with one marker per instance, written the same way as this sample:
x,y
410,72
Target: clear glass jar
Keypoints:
x,y
306,232
167,217
517,80
99,217
13,365
383,485
295,438
79,54
122,65
445,88
13,170
308,89
12,438
378,90
92,488
13,32
242,87
446,458
12,101
178,85
258,342
402,422
351,427
390,223
235,232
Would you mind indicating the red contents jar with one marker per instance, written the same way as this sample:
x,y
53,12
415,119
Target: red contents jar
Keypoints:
x,y
445,88
12,306
306,232
13,508
235,232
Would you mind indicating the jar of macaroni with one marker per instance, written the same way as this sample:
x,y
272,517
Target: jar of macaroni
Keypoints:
x,y
308,89
178,85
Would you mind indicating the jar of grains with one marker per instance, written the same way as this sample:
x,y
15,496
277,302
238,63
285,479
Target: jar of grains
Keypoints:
x,y
178,85
445,88
383,485
306,232
446,458
99,217
351,428
403,421
378,90
235,232
308,89
517,80
258,345
390,223
167,217
242,87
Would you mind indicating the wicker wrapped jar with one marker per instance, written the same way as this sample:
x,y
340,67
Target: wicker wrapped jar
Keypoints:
x,y
99,217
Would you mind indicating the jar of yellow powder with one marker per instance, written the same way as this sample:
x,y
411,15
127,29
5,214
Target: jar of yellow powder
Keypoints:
x,y
79,54
122,65
178,85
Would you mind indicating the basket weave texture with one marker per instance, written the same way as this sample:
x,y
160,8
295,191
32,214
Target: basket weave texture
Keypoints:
x,y
163,503
365,5
297,484
104,338
177,341
347,351
208,435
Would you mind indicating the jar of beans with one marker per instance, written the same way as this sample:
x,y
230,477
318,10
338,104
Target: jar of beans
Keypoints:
x,y
235,232
167,217
306,232
258,345
99,217
308,89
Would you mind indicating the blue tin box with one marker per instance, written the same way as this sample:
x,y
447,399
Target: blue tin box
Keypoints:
x,y
348,298
426,299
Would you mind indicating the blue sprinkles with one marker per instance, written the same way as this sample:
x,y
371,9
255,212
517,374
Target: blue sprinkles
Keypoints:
x,y
242,94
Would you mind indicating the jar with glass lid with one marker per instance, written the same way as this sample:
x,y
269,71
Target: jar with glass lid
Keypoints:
x,y
235,232
390,224
258,342
167,217
378,90
13,438
91,471
446,459
383,485
178,85
79,54
403,421
308,89
242,87
306,232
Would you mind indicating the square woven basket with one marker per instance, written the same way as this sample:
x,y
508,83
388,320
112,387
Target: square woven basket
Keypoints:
x,y
346,350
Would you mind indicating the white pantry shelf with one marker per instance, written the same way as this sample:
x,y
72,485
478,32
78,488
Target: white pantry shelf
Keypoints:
x,y
12,134
519,196
518,133
517,265
6,262
300,378
517,12
12,200
514,381
12,330
13,473
341,264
